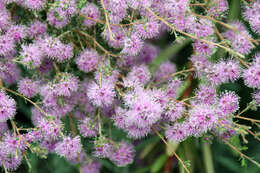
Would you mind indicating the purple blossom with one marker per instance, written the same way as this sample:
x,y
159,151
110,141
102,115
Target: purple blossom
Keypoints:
x,y
257,97
7,107
55,49
9,72
139,75
132,45
3,128
36,29
175,111
34,4
147,54
31,55
7,44
50,129
202,118
123,155
164,71
176,133
101,95
69,147
88,60
8,158
251,76
67,85
118,37
144,110
5,19
147,30
91,167
90,11
228,103
252,14
218,7
28,87
103,148
17,32
206,94
240,40
88,127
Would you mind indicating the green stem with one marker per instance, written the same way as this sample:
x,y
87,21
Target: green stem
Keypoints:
x,y
207,157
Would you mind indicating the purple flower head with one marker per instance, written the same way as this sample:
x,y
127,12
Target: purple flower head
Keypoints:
x,y
91,167
147,54
3,128
203,48
135,132
218,7
101,95
49,144
240,40
164,71
103,148
206,94
90,11
118,37
252,14
15,143
8,158
132,45
34,4
136,4
123,155
147,30
46,66
173,85
5,19
176,133
67,85
160,97
201,64
175,111
50,129
7,107
225,128
139,75
31,55
88,60
119,118
202,118
58,18
9,72
88,127
202,28
36,29
17,32
7,44
55,49
228,103
28,87
61,11
224,71
251,76
143,111
257,97
69,147
117,10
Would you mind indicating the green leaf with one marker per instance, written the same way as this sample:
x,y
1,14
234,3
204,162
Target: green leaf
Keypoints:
x,y
148,149
158,164
167,54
